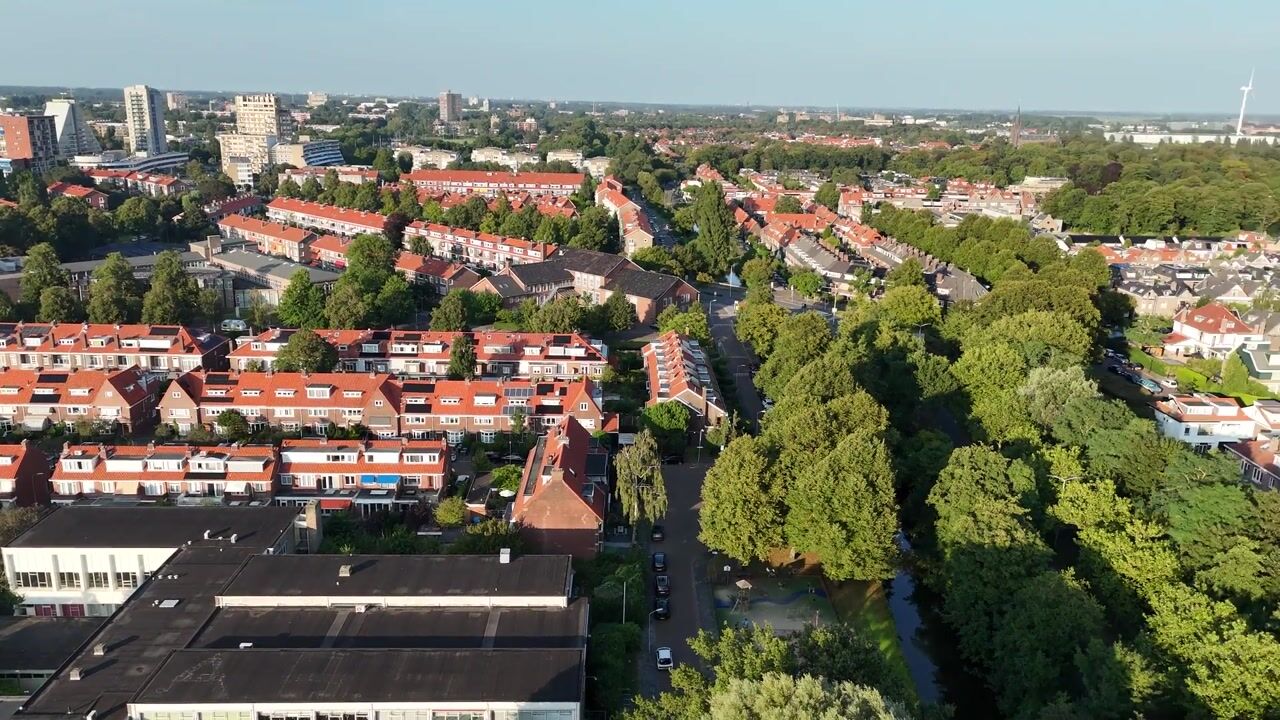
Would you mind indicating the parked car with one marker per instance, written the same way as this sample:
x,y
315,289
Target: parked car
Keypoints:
x,y
658,533
659,562
662,585
662,608
1169,382
234,325
1148,384
664,658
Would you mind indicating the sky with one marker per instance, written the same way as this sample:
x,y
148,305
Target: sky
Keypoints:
x,y
1082,55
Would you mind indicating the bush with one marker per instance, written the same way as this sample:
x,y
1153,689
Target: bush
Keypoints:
x,y
611,660
507,477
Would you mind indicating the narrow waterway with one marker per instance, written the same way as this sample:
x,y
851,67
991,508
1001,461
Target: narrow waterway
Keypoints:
x,y
910,626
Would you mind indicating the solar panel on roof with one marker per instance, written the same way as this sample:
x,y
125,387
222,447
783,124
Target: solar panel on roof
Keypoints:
x,y
422,387
51,378
218,379
545,388
164,331
411,337
560,340
517,392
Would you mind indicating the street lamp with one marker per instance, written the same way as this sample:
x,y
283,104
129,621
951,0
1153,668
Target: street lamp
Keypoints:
x,y
701,433
650,624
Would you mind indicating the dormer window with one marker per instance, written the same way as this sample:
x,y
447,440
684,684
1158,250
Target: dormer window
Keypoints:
x,y
250,393
67,341
80,392
284,393
351,393
219,392
318,393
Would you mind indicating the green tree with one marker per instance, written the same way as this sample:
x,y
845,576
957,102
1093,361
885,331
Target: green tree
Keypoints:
x,y
41,270
807,282
394,301
507,477
717,243
783,697
59,304
114,295
138,215
306,351
691,323
1048,391
451,313
758,324
232,425
346,306
828,195
669,423
462,357
619,311
488,538
843,509
788,205
173,295
302,303
451,512
908,272
910,306
741,513
801,339
641,489
561,315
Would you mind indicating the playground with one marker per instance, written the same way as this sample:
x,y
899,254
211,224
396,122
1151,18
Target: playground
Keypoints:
x,y
785,603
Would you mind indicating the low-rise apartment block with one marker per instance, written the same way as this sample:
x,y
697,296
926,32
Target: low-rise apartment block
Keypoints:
x,y
440,275
84,560
493,183
179,474
35,400
270,238
1259,463
419,354
326,218
93,196
477,248
357,174
140,183
155,349
678,370
292,402
363,475
458,408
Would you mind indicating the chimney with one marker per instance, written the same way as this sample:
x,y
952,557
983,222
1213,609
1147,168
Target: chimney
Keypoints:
x,y
151,447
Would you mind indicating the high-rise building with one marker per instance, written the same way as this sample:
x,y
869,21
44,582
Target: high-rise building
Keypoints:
x,y
74,135
28,142
316,99
144,120
175,100
450,106
263,115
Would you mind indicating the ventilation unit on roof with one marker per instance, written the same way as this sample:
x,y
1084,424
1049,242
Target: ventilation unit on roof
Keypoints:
x,y
504,556
344,571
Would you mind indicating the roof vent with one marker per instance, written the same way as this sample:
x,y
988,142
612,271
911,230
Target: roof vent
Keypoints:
x,y
234,537
344,571
246,645
207,533
76,674
100,649
504,556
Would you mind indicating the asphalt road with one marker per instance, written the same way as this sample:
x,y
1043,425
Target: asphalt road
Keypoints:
x,y
738,357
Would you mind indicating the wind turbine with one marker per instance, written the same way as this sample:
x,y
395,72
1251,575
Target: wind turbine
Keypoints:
x,y
1244,98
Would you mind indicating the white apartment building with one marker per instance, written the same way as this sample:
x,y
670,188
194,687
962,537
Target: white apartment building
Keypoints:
x,y
85,561
144,120
1204,421
263,115
74,136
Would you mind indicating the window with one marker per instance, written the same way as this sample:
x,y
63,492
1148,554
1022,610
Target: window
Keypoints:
x,y
318,412
176,394
33,579
108,486
99,580
127,579
286,480
458,715
449,421
69,579
377,403
582,407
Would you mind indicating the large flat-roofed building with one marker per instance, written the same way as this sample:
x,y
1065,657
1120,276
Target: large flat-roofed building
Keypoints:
x,y
33,648
493,183
230,634
87,560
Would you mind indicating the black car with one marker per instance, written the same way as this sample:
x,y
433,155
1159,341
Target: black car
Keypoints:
x,y
658,533
662,586
659,562
662,608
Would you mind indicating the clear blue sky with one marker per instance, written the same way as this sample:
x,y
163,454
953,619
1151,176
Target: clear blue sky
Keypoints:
x,y
1167,55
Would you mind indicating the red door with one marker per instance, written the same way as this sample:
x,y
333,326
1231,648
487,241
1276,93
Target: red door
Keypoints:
x,y
73,610
46,611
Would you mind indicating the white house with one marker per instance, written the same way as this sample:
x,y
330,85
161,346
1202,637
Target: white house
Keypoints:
x,y
1210,331
1204,421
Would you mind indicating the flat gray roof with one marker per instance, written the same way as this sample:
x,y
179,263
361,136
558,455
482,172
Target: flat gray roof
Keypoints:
x,y
402,575
343,675
95,526
42,643
282,268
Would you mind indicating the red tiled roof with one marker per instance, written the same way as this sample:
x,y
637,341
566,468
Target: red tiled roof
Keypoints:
x,y
286,233
372,221
1176,407
422,228
491,177
76,387
1214,318
104,338
78,191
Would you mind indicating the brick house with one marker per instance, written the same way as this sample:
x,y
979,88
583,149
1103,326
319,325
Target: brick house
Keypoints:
x,y
490,183
365,475
558,509
24,475
271,238
35,400
168,472
95,197
325,218
292,402
156,349
678,371
458,408
1211,331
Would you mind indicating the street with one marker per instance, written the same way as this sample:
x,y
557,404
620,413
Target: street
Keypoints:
x,y
738,357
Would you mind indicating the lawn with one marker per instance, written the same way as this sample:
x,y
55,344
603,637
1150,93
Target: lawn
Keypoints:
x,y
864,605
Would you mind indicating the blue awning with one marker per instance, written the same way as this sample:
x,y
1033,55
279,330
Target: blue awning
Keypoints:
x,y
391,480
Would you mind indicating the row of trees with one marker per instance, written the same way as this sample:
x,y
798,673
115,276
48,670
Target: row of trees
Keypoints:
x,y
369,293
464,309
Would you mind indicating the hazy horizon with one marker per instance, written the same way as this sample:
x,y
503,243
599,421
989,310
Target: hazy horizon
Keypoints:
x,y
1087,58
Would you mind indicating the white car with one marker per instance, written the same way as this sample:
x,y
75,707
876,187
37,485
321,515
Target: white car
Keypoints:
x,y
1169,382
664,658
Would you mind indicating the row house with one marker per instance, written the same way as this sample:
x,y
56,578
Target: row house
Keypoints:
x,y
292,402
325,218
35,400
594,276
560,508
458,408
475,248
678,371
155,349
414,353
177,473
364,475
24,475
357,174
633,224
93,196
441,275
154,185
245,204
492,183
270,238
552,205
1211,331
